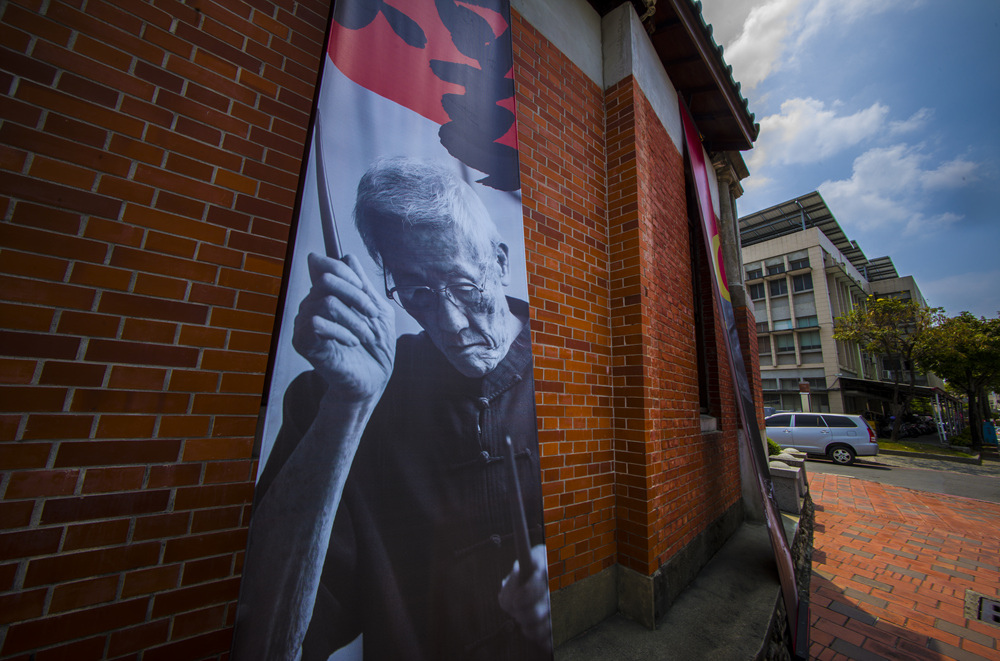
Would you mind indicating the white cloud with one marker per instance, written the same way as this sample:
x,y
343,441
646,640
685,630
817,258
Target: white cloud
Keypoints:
x,y
841,13
726,18
806,131
886,191
761,36
920,225
952,174
975,291
756,52
916,122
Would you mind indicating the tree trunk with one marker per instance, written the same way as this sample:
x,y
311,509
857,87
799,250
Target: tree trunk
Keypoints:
x,y
975,420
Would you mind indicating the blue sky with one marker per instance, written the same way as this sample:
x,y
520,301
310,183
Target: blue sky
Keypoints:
x,y
891,110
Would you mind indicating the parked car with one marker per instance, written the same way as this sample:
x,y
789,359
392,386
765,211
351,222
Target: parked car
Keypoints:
x,y
838,436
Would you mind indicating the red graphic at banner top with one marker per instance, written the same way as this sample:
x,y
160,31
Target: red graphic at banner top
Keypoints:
x,y
401,72
447,60
699,170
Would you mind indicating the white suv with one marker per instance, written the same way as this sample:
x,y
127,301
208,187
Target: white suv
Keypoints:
x,y
838,436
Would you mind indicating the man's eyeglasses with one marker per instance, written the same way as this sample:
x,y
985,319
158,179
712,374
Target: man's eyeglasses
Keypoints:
x,y
420,298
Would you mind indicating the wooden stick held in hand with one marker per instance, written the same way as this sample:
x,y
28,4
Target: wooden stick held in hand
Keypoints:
x,y
521,544
331,238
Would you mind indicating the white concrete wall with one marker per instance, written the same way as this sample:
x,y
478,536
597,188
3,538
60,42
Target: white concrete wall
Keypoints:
x,y
628,51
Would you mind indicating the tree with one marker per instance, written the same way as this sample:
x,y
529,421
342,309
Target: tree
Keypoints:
x,y
965,350
892,328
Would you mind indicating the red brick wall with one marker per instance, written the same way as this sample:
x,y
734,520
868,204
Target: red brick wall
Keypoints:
x,y
150,156
673,481
560,121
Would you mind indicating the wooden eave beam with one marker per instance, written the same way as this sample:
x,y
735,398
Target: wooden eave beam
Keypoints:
x,y
720,75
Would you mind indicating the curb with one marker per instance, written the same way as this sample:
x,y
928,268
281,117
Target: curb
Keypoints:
x,y
977,459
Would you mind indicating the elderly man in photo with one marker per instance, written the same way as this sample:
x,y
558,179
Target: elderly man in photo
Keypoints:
x,y
384,508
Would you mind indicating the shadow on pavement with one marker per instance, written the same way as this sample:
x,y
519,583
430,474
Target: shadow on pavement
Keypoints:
x,y
852,623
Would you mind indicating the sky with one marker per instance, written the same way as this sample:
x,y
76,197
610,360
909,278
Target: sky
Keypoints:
x,y
891,110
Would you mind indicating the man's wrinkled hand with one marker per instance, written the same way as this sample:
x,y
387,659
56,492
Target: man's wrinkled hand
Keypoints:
x,y
526,598
345,328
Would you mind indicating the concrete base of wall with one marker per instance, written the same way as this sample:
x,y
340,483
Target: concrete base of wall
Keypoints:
x,y
732,610
584,604
643,599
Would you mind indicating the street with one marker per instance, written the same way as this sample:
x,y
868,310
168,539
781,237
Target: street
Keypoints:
x,y
923,474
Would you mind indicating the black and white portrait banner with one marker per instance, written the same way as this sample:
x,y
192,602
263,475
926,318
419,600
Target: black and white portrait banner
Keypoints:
x,y
398,510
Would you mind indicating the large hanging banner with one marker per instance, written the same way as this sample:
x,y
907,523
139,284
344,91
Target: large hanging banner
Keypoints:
x,y
398,509
798,617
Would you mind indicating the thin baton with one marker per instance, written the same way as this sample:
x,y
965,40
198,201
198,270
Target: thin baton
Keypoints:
x,y
331,238
521,544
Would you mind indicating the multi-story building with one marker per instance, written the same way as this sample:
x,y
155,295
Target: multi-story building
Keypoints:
x,y
802,272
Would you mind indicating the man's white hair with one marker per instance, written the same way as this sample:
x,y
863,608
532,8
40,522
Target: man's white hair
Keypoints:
x,y
398,194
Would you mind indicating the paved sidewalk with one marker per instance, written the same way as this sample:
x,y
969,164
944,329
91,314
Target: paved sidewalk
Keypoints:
x,y
891,569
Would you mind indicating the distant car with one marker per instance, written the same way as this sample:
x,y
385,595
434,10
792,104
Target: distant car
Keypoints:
x,y
838,436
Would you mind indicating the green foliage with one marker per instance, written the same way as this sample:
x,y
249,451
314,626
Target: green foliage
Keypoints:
x,y
965,350
963,439
888,326
772,448
894,328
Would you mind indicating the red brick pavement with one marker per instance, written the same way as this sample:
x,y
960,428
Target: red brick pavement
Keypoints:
x,y
890,570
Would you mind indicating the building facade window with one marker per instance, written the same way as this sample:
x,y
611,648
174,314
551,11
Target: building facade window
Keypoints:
x,y
782,324
803,282
762,327
778,287
810,341
757,291
785,343
796,264
807,322
775,269
753,274
764,345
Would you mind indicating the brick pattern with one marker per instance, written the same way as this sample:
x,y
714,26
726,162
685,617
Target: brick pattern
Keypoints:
x,y
629,319
672,480
560,120
891,568
693,478
150,156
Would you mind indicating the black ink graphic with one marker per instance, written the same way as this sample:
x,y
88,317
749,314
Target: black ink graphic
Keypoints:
x,y
356,15
476,119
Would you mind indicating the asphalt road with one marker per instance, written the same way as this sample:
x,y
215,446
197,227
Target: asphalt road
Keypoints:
x,y
933,475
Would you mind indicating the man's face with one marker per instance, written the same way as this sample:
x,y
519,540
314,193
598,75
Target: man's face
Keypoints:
x,y
474,339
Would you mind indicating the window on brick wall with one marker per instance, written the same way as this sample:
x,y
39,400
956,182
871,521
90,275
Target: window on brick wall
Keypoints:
x,y
709,395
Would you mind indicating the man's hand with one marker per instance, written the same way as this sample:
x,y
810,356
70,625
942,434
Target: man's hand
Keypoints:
x,y
526,598
346,328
